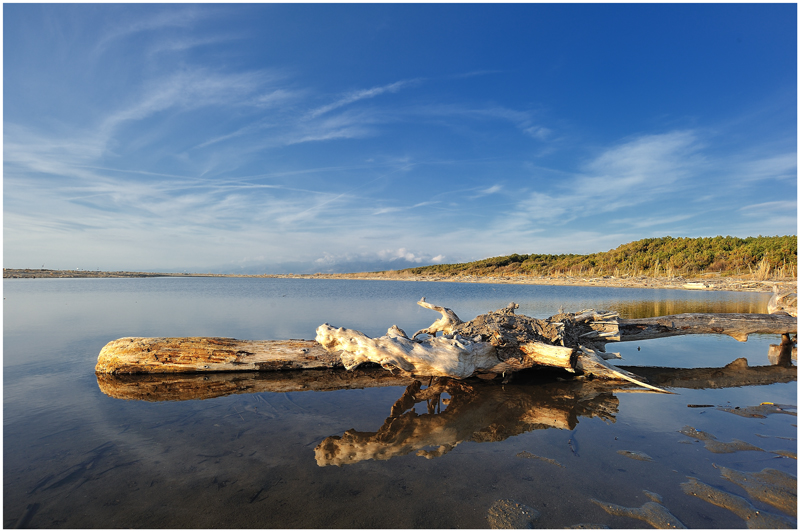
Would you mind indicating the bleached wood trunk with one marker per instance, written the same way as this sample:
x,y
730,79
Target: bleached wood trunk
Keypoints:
x,y
199,354
434,357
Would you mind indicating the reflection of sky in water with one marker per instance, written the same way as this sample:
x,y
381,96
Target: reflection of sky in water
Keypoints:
x,y
694,351
248,460
674,414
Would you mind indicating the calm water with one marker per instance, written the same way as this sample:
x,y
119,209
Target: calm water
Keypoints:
x,y
75,457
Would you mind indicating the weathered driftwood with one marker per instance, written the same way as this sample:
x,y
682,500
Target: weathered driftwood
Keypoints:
x,y
782,301
492,344
192,386
738,326
196,354
591,362
501,341
437,356
444,324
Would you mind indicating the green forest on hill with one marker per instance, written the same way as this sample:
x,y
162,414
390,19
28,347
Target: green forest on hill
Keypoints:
x,y
762,257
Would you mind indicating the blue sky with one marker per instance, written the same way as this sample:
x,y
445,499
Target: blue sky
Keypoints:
x,y
265,138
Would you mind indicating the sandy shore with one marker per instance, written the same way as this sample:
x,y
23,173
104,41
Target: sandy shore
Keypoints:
x,y
711,282
714,282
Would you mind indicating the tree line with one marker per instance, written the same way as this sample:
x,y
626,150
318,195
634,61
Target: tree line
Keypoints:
x,y
761,256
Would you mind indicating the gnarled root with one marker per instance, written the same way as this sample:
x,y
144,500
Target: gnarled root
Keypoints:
x,y
444,324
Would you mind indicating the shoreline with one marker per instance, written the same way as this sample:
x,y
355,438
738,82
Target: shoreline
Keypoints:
x,y
705,282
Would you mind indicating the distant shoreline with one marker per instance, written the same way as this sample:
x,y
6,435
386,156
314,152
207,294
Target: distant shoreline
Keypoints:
x,y
708,282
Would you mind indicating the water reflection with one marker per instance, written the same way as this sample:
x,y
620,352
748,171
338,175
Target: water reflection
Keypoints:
x,y
488,412
454,410
478,412
784,353
196,386
74,457
644,308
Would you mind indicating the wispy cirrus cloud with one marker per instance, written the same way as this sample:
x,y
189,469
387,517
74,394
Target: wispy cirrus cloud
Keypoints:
x,y
524,121
623,176
358,95
182,44
781,166
760,209
127,26
386,210
188,89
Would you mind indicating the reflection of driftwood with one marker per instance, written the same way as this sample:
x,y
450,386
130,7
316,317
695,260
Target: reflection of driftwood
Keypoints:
x,y
189,386
735,374
783,354
494,343
186,386
477,412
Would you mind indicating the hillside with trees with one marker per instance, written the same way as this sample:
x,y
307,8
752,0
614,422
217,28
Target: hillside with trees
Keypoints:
x,y
759,257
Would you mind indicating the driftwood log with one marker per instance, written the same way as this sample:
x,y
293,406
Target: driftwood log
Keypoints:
x,y
492,344
201,354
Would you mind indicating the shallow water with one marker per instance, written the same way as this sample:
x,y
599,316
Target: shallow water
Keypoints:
x,y
75,457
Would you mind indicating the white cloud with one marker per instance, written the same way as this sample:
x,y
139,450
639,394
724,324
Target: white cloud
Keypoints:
x,y
653,159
